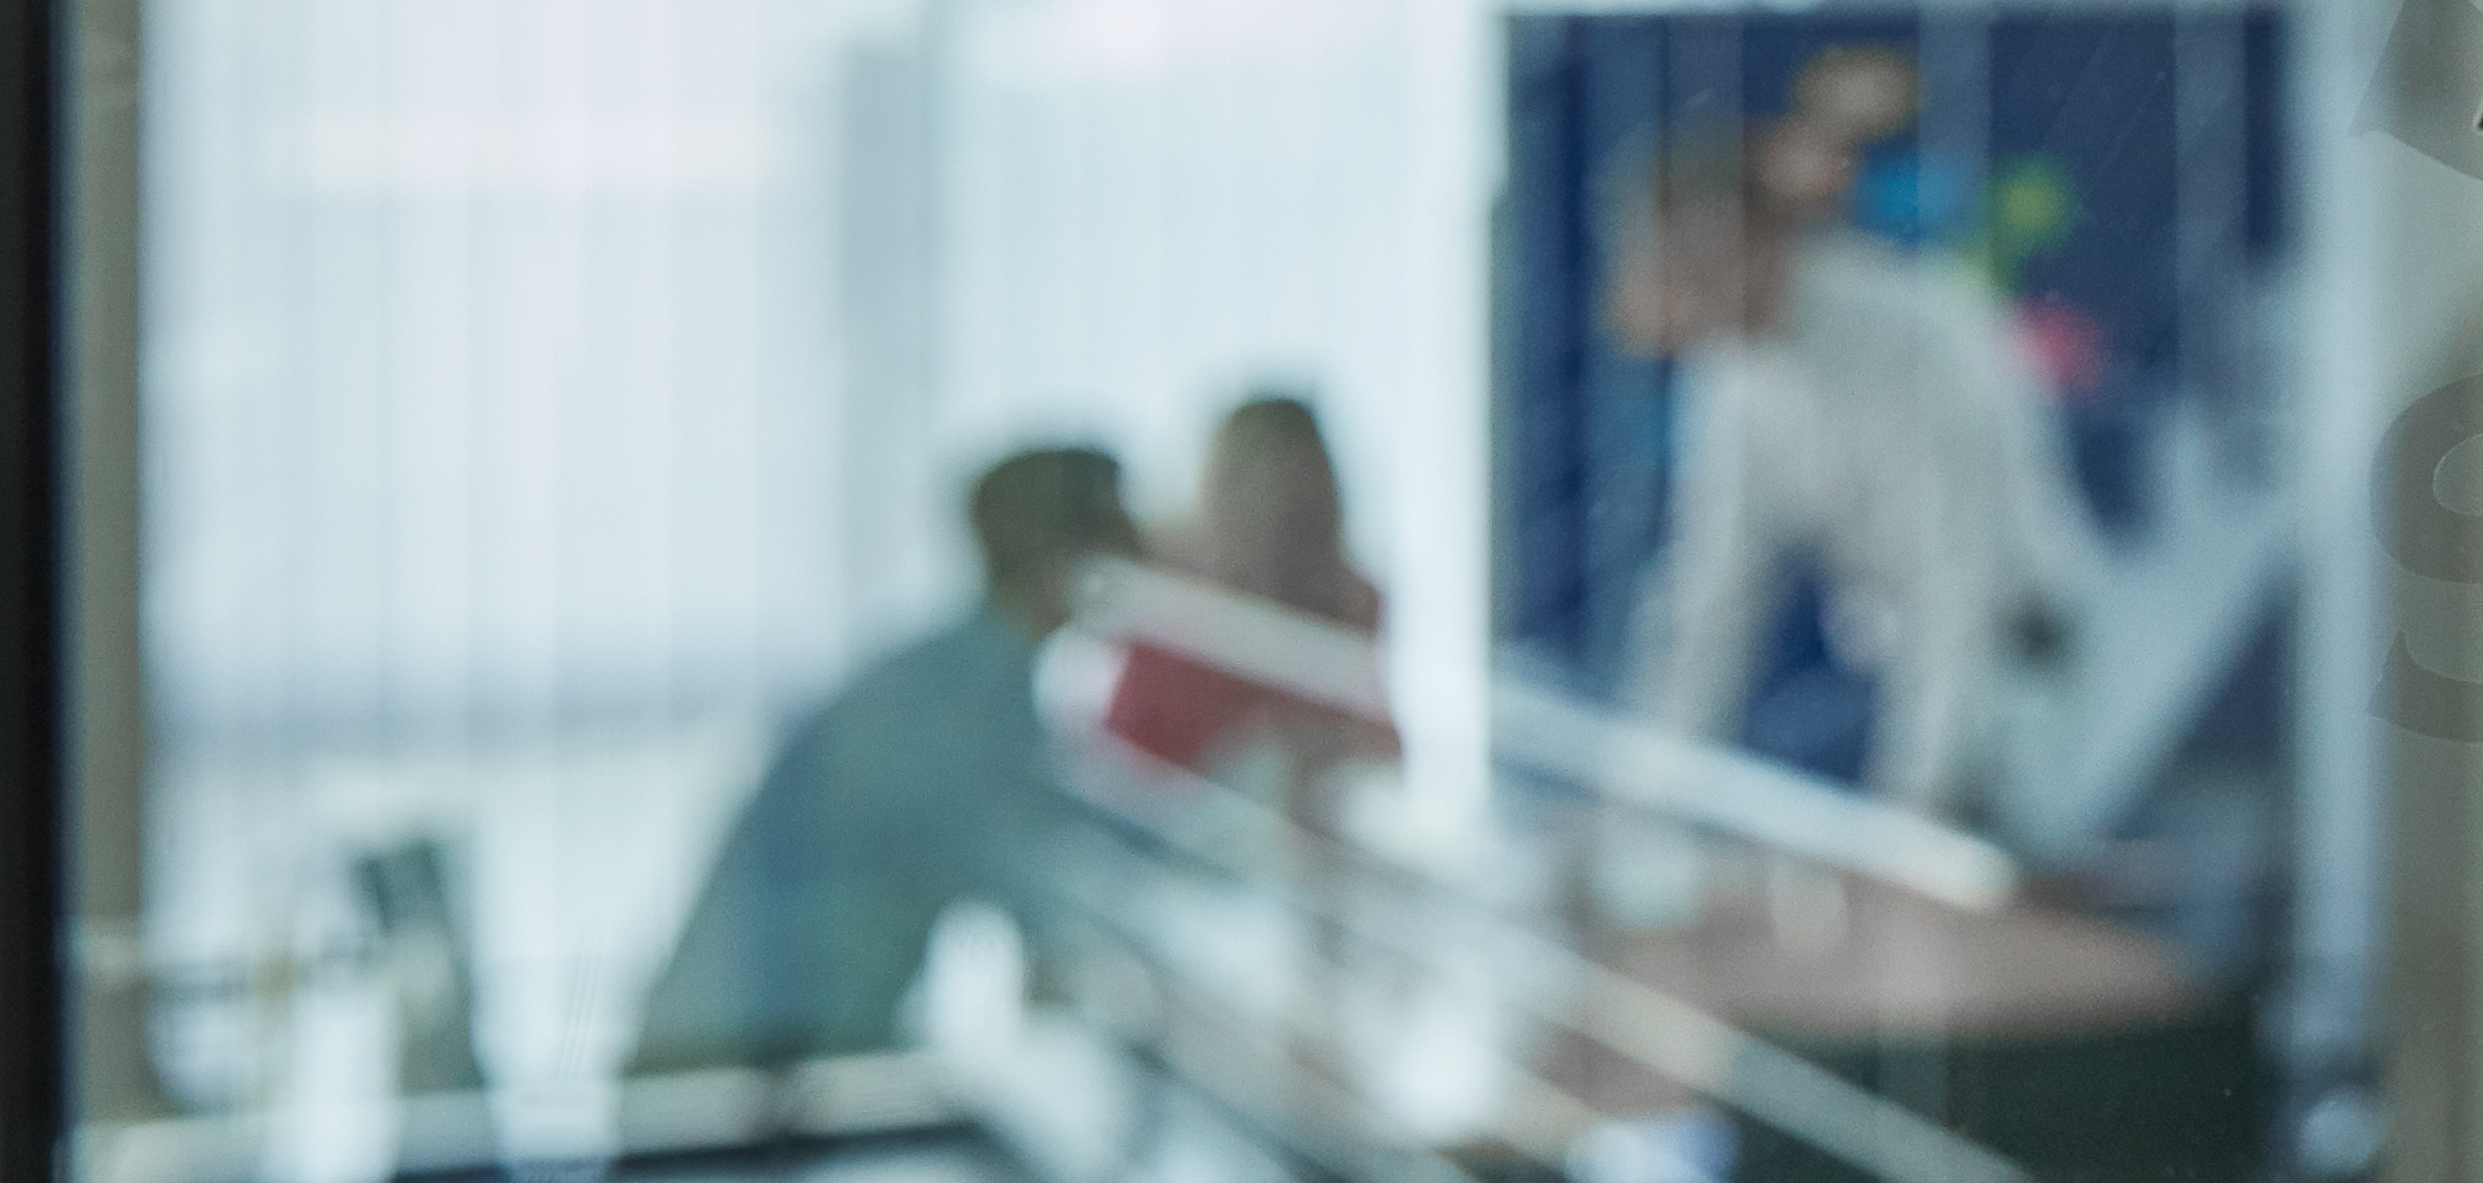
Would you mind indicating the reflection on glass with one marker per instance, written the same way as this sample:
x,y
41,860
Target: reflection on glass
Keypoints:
x,y
656,672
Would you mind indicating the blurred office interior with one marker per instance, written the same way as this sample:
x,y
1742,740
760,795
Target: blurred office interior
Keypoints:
x,y
501,422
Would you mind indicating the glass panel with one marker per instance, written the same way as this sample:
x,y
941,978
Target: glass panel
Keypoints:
x,y
1119,589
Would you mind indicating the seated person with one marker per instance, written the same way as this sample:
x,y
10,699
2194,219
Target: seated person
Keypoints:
x,y
1270,524
926,780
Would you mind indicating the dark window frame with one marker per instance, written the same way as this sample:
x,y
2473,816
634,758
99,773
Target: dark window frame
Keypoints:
x,y
32,1083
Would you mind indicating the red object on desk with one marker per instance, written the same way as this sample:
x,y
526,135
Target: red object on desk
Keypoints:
x,y
1176,709
1185,712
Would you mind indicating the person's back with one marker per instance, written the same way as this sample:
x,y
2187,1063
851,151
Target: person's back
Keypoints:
x,y
925,781
920,784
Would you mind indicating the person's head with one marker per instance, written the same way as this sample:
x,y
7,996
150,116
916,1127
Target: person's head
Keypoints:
x,y
1036,515
1268,469
1857,93
1270,504
1702,226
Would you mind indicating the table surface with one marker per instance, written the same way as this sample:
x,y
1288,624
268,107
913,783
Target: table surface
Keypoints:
x,y
1904,969
1905,966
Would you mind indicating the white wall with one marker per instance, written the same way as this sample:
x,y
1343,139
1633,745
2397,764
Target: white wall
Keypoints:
x,y
490,354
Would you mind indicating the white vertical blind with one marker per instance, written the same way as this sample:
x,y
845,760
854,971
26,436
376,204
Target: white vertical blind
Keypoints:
x,y
492,357
493,412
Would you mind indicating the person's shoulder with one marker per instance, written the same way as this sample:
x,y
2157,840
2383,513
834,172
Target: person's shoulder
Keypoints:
x,y
1843,248
972,651
1862,295
962,688
1364,606
1850,266
1847,274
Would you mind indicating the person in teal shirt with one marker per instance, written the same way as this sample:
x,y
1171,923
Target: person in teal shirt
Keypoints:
x,y
926,780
